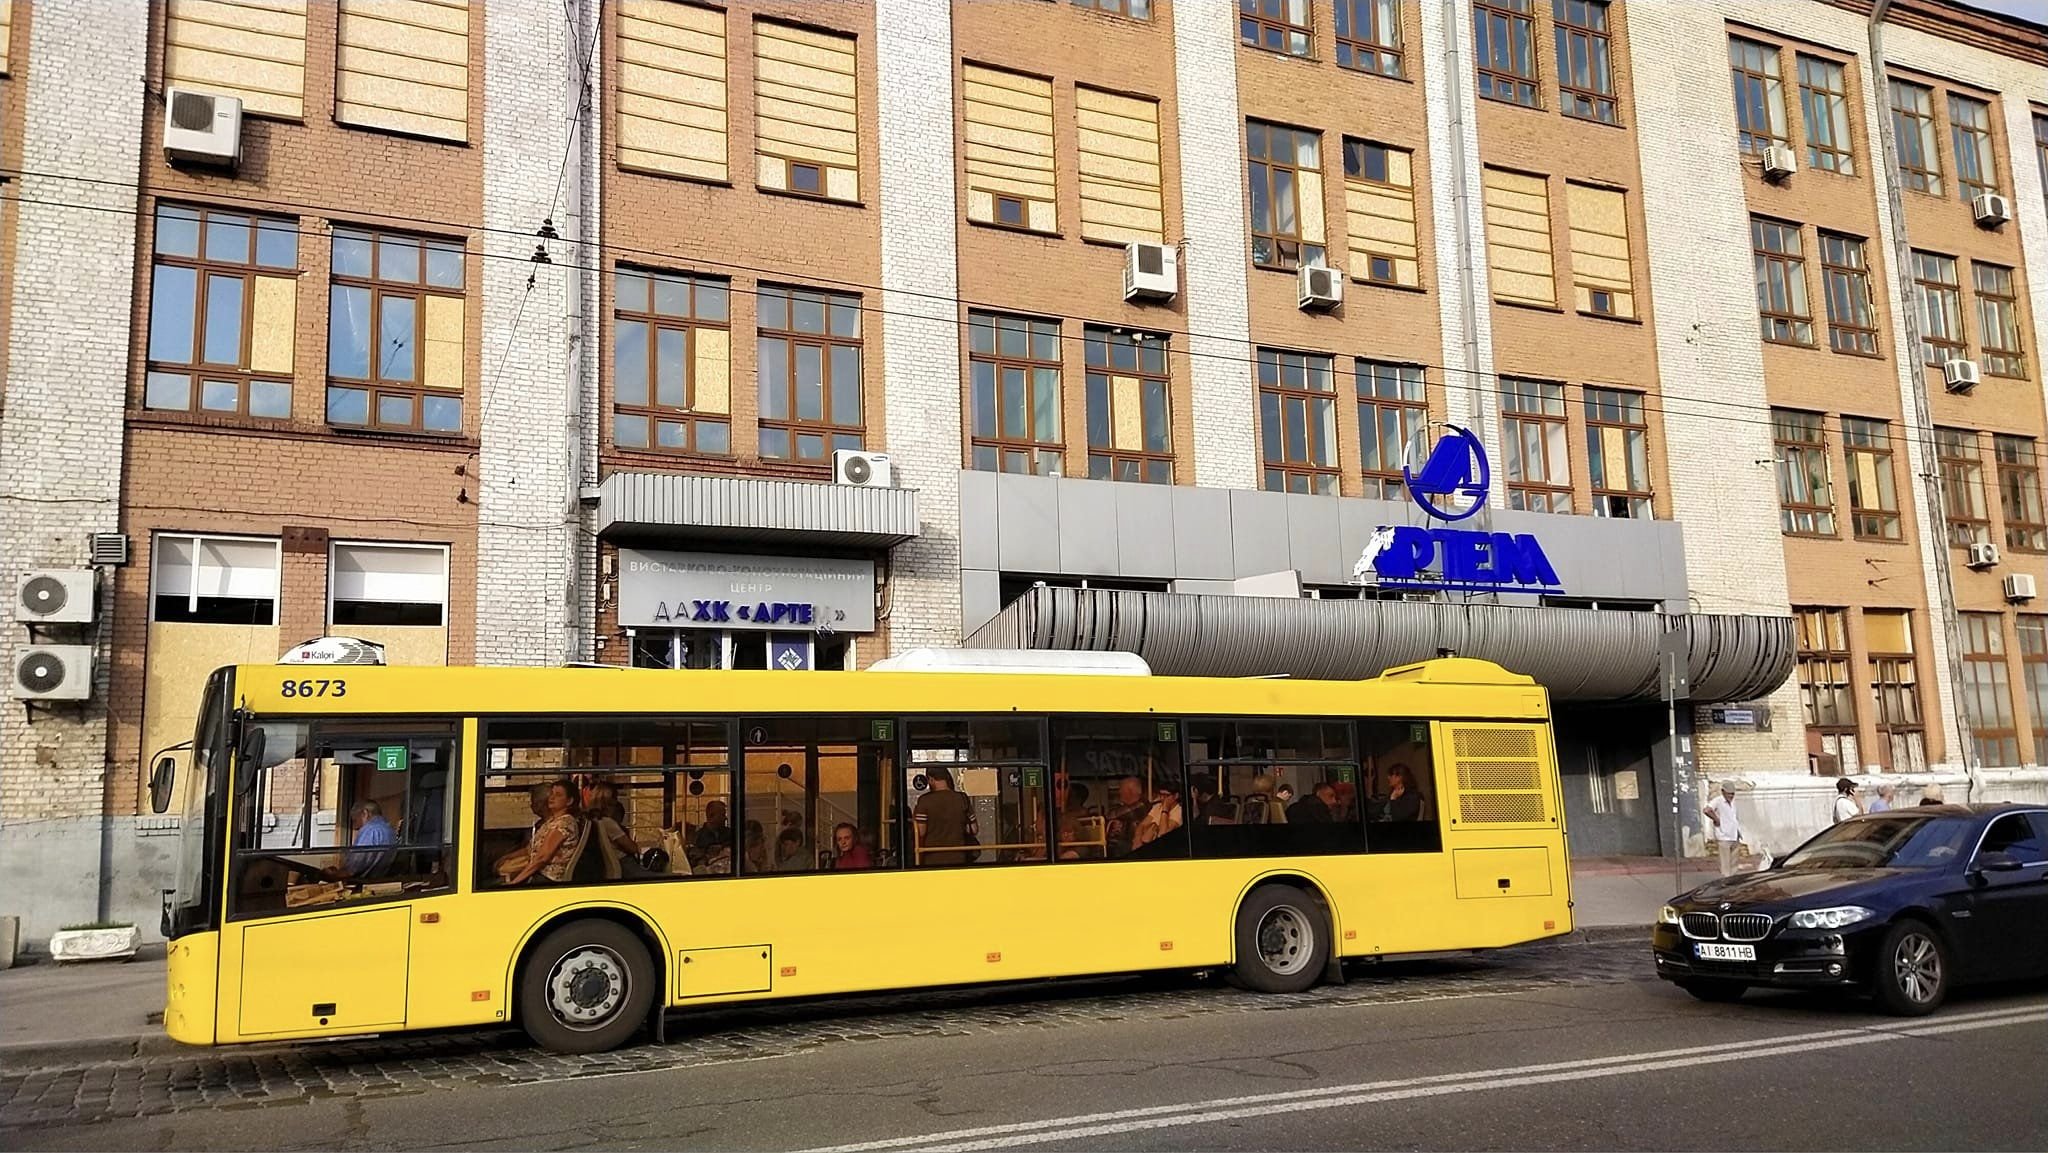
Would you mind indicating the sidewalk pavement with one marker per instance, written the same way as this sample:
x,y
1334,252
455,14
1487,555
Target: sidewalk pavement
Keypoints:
x,y
110,1010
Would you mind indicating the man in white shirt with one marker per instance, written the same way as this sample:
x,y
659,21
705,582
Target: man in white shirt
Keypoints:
x,y
1727,826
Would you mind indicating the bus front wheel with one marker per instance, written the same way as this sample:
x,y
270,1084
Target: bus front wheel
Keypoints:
x,y
585,987
1283,940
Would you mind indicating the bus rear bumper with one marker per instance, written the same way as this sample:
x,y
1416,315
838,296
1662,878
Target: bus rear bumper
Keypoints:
x,y
191,977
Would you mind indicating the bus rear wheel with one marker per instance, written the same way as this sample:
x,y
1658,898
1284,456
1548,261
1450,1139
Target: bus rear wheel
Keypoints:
x,y
585,987
1283,940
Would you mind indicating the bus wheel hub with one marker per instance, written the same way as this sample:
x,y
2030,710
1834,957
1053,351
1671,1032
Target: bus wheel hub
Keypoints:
x,y
587,986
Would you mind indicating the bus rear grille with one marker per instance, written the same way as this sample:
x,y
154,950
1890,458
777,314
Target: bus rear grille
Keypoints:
x,y
1495,744
1500,808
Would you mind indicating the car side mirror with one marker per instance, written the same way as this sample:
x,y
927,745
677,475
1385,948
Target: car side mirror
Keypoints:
x,y
1997,862
160,780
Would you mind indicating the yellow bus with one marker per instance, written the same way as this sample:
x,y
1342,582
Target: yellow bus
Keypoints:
x,y
579,850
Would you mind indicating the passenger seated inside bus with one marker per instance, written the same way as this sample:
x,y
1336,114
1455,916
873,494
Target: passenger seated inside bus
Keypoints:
x,y
1403,798
606,816
1163,817
555,843
1318,807
371,842
848,851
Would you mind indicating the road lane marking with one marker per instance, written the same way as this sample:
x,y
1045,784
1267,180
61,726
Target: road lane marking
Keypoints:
x,y
1301,1100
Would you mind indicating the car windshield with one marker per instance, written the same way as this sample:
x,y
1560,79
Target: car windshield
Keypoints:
x,y
1902,841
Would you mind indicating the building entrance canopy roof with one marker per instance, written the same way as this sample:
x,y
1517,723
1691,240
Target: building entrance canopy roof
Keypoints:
x,y
1578,654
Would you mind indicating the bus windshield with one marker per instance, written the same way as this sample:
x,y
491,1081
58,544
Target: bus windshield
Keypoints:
x,y
196,833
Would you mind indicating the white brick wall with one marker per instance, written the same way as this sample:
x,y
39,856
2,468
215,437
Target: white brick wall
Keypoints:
x,y
1469,382
921,322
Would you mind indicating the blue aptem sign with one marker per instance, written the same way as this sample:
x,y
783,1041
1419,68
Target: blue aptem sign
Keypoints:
x,y
1452,487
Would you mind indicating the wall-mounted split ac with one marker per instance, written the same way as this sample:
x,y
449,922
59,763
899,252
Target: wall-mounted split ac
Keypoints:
x,y
863,469
1983,555
1990,209
202,128
55,597
52,673
1961,375
2019,587
1151,271
1322,287
1779,162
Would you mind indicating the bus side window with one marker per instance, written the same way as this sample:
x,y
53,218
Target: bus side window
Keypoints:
x,y
1399,792
820,795
1273,788
1118,789
977,791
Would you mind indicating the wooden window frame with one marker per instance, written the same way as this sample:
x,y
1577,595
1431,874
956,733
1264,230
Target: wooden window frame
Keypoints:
x,y
1371,272
2018,463
1922,173
1799,439
1770,86
199,371
1952,344
1506,85
1856,333
1896,676
1998,319
1123,8
1550,417
1960,457
418,291
1361,45
1828,653
1628,413
1985,673
1868,520
653,412
1792,324
1040,450
1261,167
1408,409
2032,630
1149,365
1829,106
1982,150
1255,25
2041,162
1585,101
1318,465
831,433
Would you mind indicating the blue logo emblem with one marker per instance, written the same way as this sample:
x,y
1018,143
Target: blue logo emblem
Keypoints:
x,y
1452,487
1456,467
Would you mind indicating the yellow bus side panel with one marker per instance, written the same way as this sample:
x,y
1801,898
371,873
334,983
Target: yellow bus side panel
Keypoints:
x,y
191,975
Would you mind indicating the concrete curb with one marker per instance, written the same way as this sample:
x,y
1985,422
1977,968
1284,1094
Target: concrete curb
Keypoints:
x,y
1605,934
17,1056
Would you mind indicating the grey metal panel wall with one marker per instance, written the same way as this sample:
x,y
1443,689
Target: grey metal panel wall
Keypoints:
x,y
753,505
1578,654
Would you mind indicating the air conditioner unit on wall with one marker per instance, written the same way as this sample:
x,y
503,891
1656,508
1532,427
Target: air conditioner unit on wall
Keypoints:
x,y
55,597
1983,555
863,469
1151,271
1779,162
202,128
1321,287
1961,375
53,673
2019,586
1991,209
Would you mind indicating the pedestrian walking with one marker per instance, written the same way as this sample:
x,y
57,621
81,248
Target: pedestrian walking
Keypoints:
x,y
1845,801
1727,826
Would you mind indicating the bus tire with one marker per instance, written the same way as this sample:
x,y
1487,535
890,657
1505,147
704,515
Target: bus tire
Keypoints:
x,y
1283,940
585,988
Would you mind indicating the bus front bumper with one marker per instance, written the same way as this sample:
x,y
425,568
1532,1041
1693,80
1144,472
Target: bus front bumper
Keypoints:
x,y
192,974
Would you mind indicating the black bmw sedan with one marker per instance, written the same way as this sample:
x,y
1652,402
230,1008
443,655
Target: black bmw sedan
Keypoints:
x,y
1903,905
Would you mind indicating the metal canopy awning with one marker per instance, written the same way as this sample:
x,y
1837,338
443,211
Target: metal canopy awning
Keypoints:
x,y
755,510
1578,654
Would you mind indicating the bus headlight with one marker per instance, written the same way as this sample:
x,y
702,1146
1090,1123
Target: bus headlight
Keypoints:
x,y
1838,917
1667,915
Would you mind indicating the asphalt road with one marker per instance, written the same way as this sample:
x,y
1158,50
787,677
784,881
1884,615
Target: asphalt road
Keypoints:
x,y
1555,1048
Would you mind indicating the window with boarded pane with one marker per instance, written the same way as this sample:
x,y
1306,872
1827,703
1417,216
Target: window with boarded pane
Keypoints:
x,y
1824,99
1845,276
1014,379
1275,25
1969,126
1117,149
1135,9
1913,136
1533,434
806,112
1520,268
1805,499
1895,688
2033,634
1618,453
1504,44
1285,170
1941,307
1962,486
671,363
1873,493
1759,94
1379,211
809,366
1585,72
1130,433
1012,179
1297,421
1393,414
1998,320
671,94
2019,494
395,347
1825,691
1987,689
1603,280
223,307
1369,35
1782,308
1237,769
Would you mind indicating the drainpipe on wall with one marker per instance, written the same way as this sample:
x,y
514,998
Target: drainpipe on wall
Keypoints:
x,y
585,195
1461,202
1923,421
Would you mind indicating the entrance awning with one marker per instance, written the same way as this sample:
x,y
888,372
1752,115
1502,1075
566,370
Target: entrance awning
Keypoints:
x,y
754,510
1578,654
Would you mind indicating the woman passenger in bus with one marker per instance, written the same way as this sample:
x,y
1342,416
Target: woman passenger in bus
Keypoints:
x,y
601,807
1403,801
553,847
848,852
1163,818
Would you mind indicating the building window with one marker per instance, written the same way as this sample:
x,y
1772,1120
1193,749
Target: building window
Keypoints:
x,y
1014,369
1913,136
1379,206
1286,195
1533,435
2019,495
1824,99
214,580
1962,486
1393,413
1941,308
1781,304
1873,493
1969,126
2041,157
1895,688
223,306
1759,94
1130,433
671,90
1987,689
806,112
1845,276
1603,282
388,584
1998,320
809,366
671,363
1824,688
2033,632
1805,500
1011,174
1135,9
395,332
1618,453
1519,264
1275,25
1117,160
1585,74
1298,421
1504,44
1369,35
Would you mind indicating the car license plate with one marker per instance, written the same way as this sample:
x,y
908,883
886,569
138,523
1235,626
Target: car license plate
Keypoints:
x,y
1725,952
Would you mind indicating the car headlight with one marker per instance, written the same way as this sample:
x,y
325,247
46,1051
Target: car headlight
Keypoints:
x,y
1667,915
1838,917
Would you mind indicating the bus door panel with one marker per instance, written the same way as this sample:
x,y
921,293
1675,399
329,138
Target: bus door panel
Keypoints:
x,y
339,972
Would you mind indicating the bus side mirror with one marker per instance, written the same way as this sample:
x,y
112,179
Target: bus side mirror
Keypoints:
x,y
252,746
160,781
